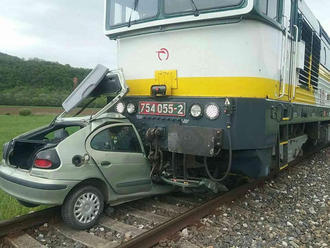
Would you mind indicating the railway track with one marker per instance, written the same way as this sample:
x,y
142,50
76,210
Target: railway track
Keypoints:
x,y
127,222
138,224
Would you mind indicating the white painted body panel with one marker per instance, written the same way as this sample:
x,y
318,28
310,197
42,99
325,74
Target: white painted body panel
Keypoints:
x,y
248,48
215,51
321,94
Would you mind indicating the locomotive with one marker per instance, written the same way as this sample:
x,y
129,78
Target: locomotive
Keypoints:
x,y
220,87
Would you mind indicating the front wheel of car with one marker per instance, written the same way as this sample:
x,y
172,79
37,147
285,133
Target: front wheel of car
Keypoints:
x,y
83,207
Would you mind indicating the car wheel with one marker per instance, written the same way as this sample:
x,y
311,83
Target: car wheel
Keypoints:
x,y
83,207
27,204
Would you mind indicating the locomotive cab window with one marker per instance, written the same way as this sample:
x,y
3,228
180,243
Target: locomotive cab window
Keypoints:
x,y
270,8
117,139
121,13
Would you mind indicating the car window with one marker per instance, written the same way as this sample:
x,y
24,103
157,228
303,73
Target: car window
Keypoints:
x,y
61,133
117,139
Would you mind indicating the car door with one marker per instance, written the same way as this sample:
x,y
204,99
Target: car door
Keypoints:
x,y
117,150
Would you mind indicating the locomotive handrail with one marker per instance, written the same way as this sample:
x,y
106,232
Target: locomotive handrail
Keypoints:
x,y
294,68
284,58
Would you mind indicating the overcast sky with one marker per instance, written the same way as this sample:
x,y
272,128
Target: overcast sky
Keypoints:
x,y
71,31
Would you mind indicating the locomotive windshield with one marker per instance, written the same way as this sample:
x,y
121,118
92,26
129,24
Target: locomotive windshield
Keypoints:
x,y
177,6
129,11
126,12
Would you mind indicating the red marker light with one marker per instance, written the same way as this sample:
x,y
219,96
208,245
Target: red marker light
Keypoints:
x,y
43,163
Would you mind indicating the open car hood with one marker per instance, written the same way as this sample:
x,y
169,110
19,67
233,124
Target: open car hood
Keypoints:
x,y
100,81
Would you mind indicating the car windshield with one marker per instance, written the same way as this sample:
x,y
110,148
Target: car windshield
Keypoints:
x,y
177,6
128,11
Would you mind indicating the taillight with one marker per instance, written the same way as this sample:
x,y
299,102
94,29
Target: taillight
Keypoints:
x,y
43,163
47,159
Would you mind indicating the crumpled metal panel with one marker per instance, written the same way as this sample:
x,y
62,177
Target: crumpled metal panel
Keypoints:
x,y
85,88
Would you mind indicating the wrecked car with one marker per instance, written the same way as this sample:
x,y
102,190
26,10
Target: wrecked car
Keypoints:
x,y
81,163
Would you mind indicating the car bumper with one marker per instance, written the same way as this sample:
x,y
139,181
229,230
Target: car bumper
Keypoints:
x,y
36,190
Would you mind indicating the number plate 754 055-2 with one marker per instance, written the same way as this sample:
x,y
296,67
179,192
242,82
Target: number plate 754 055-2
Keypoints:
x,y
162,108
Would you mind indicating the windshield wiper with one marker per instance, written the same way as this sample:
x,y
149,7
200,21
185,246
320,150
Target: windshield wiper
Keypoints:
x,y
136,2
195,7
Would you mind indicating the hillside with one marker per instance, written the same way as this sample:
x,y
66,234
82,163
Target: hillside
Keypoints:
x,y
36,82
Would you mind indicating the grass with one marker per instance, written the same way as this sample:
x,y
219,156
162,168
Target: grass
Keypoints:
x,y
20,106
10,127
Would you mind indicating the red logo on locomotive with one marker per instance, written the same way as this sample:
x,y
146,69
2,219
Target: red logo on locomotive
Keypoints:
x,y
163,54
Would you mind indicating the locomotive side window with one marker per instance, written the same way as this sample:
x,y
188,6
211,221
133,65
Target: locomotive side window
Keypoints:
x,y
270,8
263,7
272,11
325,55
117,139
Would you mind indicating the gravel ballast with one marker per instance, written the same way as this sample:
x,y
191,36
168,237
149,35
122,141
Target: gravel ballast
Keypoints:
x,y
292,210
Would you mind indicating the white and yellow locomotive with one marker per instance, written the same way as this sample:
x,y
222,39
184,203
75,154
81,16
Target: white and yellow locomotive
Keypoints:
x,y
219,86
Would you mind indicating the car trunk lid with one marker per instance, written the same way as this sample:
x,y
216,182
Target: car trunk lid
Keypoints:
x,y
100,81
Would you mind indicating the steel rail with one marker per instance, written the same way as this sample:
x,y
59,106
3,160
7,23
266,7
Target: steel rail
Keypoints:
x,y
153,236
20,223
165,230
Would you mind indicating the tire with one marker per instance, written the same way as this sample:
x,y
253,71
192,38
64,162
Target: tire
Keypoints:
x,y
27,204
82,207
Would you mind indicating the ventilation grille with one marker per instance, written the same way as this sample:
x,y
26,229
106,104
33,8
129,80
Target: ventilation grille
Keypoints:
x,y
309,76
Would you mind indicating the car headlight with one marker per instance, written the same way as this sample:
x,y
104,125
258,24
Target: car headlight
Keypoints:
x,y
120,107
196,111
212,111
131,108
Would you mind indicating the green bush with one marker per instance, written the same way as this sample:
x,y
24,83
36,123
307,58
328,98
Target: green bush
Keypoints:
x,y
25,112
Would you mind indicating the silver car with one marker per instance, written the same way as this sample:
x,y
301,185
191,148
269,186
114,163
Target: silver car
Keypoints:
x,y
81,163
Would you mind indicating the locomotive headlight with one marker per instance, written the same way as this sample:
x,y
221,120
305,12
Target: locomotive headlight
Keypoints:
x,y
131,108
196,111
120,107
212,111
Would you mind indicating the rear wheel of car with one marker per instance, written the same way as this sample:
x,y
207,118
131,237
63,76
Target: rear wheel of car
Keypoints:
x,y
83,207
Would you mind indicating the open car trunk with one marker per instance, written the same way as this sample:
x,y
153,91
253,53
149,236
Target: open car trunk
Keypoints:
x,y
23,153
100,81
23,150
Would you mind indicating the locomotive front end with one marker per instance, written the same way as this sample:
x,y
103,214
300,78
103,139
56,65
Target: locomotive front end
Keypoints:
x,y
197,85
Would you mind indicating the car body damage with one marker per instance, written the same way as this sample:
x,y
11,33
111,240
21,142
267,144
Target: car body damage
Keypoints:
x,y
102,151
